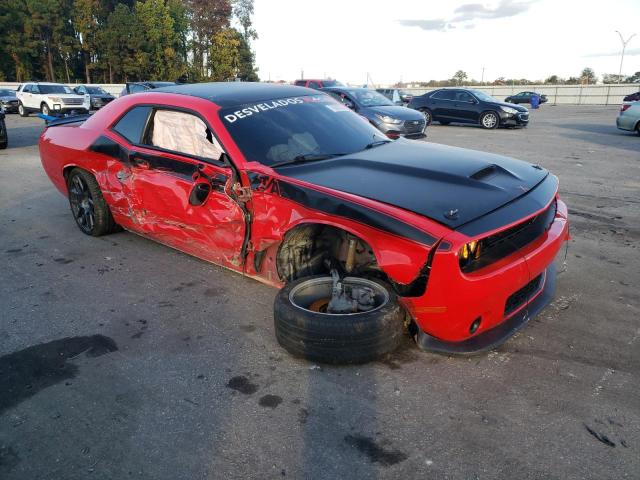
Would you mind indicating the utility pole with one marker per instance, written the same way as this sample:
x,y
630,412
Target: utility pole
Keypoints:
x,y
482,79
624,46
301,74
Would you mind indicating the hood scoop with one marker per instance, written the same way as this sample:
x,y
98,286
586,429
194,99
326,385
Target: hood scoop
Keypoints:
x,y
490,172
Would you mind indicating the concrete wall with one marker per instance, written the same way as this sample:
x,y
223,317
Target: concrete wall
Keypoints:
x,y
611,94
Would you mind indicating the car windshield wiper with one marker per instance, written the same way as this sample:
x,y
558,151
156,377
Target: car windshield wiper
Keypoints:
x,y
311,157
376,144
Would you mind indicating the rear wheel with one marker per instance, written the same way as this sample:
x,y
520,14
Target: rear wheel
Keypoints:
x,y
88,206
489,120
22,111
428,116
305,329
638,128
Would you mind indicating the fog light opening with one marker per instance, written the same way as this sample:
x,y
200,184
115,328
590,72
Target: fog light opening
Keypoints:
x,y
475,325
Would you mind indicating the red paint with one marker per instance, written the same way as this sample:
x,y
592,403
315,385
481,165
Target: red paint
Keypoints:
x,y
155,204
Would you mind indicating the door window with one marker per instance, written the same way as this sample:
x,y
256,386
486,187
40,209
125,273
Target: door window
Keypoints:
x,y
464,97
131,126
184,133
444,95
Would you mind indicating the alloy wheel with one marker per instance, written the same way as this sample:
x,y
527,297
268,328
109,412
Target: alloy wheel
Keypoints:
x,y
489,120
82,204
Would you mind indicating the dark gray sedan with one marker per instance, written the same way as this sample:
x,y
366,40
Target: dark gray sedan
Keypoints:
x,y
99,96
8,100
392,120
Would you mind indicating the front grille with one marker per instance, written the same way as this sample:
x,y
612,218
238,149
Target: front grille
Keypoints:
x,y
523,116
73,101
506,242
522,296
414,126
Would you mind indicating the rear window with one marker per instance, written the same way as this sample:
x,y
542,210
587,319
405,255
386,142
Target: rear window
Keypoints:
x,y
131,126
444,95
47,89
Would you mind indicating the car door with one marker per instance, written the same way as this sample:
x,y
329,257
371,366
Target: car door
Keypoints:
x,y
27,96
177,184
464,107
440,104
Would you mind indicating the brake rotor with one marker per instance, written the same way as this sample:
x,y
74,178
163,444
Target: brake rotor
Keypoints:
x,y
320,305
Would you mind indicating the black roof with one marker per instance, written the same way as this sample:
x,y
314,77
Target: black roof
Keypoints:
x,y
227,94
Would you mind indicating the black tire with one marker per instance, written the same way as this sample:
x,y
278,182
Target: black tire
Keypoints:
x,y
4,140
638,128
88,206
485,120
338,339
22,110
443,122
44,109
428,115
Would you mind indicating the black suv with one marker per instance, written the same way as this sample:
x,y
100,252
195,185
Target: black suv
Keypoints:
x,y
463,105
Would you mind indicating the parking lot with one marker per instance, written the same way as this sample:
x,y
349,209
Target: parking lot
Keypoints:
x,y
122,358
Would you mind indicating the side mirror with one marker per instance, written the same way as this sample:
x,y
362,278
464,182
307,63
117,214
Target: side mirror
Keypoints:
x,y
199,193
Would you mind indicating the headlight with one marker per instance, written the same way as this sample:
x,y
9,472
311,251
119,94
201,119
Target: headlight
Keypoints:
x,y
387,119
513,111
55,99
468,253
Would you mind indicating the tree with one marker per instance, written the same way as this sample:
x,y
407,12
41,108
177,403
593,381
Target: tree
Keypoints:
x,y
588,76
635,78
243,10
460,76
224,55
554,80
246,66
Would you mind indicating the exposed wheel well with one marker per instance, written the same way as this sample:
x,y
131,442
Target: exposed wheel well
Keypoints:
x,y
312,249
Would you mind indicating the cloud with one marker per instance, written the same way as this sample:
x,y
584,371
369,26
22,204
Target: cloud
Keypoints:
x,y
630,51
472,12
437,24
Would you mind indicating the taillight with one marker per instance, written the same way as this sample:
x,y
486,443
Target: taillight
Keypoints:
x,y
624,107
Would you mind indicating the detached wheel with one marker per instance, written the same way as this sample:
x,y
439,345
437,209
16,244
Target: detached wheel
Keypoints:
x,y
305,329
89,209
428,116
489,120
22,111
3,134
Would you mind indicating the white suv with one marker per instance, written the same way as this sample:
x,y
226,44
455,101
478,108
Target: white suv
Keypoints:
x,y
50,98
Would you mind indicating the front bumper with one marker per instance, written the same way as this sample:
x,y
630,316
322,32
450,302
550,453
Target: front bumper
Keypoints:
x,y
409,129
625,122
10,107
454,300
514,119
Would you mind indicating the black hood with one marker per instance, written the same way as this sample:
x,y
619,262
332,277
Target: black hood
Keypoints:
x,y
510,105
450,185
395,111
8,98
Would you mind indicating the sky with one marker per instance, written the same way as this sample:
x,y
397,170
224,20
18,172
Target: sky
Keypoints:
x,y
413,40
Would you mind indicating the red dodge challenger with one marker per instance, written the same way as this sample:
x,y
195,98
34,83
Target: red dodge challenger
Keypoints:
x,y
366,236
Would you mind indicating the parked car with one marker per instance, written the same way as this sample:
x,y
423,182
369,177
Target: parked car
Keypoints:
x,y
50,98
288,187
525,97
138,87
8,100
392,120
4,137
463,105
629,117
317,83
396,96
634,97
98,95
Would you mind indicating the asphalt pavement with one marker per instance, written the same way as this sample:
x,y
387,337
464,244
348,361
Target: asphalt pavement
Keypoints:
x,y
122,358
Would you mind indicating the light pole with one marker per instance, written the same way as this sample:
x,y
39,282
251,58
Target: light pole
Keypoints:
x,y
624,46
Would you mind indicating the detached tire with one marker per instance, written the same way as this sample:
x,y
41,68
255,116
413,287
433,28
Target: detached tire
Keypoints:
x,y
336,338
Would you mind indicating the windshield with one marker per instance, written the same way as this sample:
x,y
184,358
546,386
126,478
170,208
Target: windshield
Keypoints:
x,y
370,98
46,89
7,93
282,130
96,90
483,96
